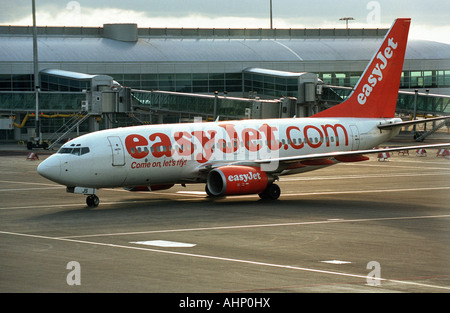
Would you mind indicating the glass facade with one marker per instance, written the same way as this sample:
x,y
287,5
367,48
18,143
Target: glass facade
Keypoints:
x,y
410,79
211,82
20,82
269,85
265,85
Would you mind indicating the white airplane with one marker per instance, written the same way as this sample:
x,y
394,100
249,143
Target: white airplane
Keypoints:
x,y
241,157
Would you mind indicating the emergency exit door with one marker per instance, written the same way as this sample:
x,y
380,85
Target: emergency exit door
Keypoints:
x,y
355,137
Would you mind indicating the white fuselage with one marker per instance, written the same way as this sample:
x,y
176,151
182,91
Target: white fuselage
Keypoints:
x,y
176,153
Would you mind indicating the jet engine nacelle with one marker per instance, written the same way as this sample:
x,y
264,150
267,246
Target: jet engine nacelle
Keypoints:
x,y
149,188
236,180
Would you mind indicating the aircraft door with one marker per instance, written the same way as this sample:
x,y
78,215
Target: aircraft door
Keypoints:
x,y
355,137
118,153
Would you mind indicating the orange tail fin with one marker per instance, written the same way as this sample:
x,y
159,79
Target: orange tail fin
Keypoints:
x,y
375,94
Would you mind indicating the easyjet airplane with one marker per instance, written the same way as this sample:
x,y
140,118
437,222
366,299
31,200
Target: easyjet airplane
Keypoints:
x,y
241,157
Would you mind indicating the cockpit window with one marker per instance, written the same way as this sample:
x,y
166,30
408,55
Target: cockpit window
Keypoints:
x,y
65,150
74,151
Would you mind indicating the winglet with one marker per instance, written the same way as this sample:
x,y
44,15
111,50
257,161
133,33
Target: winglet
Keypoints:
x,y
375,94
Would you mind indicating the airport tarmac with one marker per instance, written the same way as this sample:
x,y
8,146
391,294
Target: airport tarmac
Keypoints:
x,y
357,227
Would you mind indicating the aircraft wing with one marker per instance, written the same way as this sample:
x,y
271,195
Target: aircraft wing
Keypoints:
x,y
329,158
407,123
320,159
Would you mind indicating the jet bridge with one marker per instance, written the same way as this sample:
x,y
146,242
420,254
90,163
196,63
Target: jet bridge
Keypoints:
x,y
163,103
419,103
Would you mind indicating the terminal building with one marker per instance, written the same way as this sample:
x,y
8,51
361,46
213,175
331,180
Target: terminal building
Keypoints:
x,y
120,74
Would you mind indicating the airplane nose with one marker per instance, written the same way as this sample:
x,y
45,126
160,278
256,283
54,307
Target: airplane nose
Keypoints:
x,y
50,168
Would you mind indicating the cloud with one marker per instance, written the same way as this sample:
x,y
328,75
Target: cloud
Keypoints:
x,y
429,19
312,13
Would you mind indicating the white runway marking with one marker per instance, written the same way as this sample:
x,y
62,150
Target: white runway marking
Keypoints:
x,y
338,262
339,177
280,266
403,166
364,191
261,225
196,196
27,189
165,243
28,183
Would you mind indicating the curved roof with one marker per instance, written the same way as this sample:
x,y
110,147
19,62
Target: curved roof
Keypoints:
x,y
101,50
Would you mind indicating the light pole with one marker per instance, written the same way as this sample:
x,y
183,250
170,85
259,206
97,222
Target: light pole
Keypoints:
x,y
36,75
271,23
346,19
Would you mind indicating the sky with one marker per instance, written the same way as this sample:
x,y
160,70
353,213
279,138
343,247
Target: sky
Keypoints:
x,y
430,18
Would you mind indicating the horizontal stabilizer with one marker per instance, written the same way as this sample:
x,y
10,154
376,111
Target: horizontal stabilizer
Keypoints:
x,y
407,123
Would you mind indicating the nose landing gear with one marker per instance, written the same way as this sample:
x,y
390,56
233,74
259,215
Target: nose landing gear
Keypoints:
x,y
92,200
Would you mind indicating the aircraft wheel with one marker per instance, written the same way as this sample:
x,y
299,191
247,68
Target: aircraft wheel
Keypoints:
x,y
272,192
92,201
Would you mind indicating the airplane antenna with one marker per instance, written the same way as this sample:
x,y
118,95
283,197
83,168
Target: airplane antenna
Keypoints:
x,y
217,119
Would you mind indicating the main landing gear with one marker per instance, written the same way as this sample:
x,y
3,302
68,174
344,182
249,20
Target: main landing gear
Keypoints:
x,y
272,192
92,201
